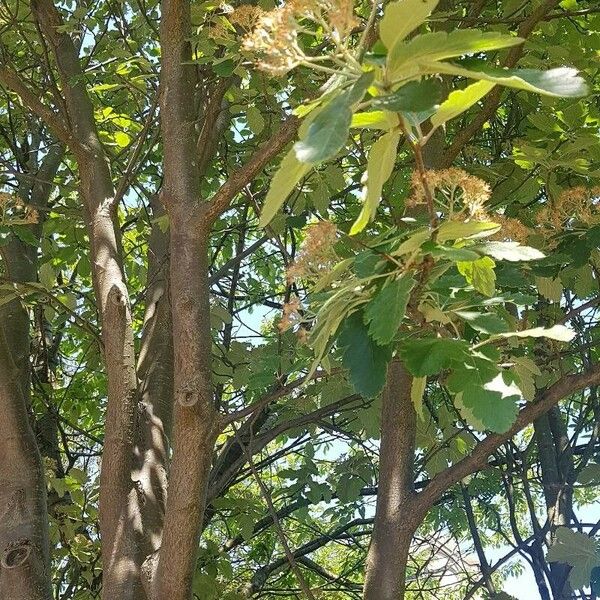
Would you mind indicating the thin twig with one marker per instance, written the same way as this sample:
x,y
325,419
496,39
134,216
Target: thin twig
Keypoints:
x,y
276,522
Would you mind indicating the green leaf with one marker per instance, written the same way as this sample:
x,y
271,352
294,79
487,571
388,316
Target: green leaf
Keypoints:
x,y
380,165
511,251
328,132
525,370
454,254
480,274
367,263
365,360
561,82
453,230
431,355
414,242
549,288
487,409
417,390
47,275
330,276
290,172
578,551
432,47
385,312
415,96
459,101
400,18
255,120
483,322
476,369
376,119
121,139
589,475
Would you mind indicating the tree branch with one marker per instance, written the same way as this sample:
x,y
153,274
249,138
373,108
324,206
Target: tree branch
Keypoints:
x,y
238,180
53,120
478,458
492,100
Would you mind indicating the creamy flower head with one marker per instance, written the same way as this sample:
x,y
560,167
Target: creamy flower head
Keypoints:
x,y
576,204
274,37
316,255
455,186
13,211
274,41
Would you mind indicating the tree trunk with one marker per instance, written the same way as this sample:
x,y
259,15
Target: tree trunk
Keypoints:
x,y
119,502
396,514
155,409
556,463
24,554
196,422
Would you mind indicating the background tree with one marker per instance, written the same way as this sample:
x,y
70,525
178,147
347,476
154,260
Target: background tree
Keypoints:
x,y
150,318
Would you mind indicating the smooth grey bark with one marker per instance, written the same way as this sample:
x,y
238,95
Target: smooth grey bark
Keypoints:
x,y
119,502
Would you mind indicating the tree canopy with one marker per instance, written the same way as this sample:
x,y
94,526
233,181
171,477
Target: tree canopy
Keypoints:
x,y
299,299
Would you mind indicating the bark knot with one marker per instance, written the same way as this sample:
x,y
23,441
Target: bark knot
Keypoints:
x,y
16,553
117,297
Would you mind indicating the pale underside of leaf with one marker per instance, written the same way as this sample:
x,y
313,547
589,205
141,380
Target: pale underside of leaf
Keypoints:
x,y
560,82
290,172
380,166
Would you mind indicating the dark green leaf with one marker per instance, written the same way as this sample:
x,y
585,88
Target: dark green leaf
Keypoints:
x,y
483,322
365,360
385,312
328,132
415,96
431,355
487,409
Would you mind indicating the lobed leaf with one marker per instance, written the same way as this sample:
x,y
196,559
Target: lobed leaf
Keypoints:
x,y
387,309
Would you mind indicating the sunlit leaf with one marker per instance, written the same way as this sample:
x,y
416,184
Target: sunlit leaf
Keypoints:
x,y
380,165
376,119
432,47
402,17
480,274
290,172
459,101
511,251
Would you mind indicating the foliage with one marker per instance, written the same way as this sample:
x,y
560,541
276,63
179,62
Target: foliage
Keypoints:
x,y
360,243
